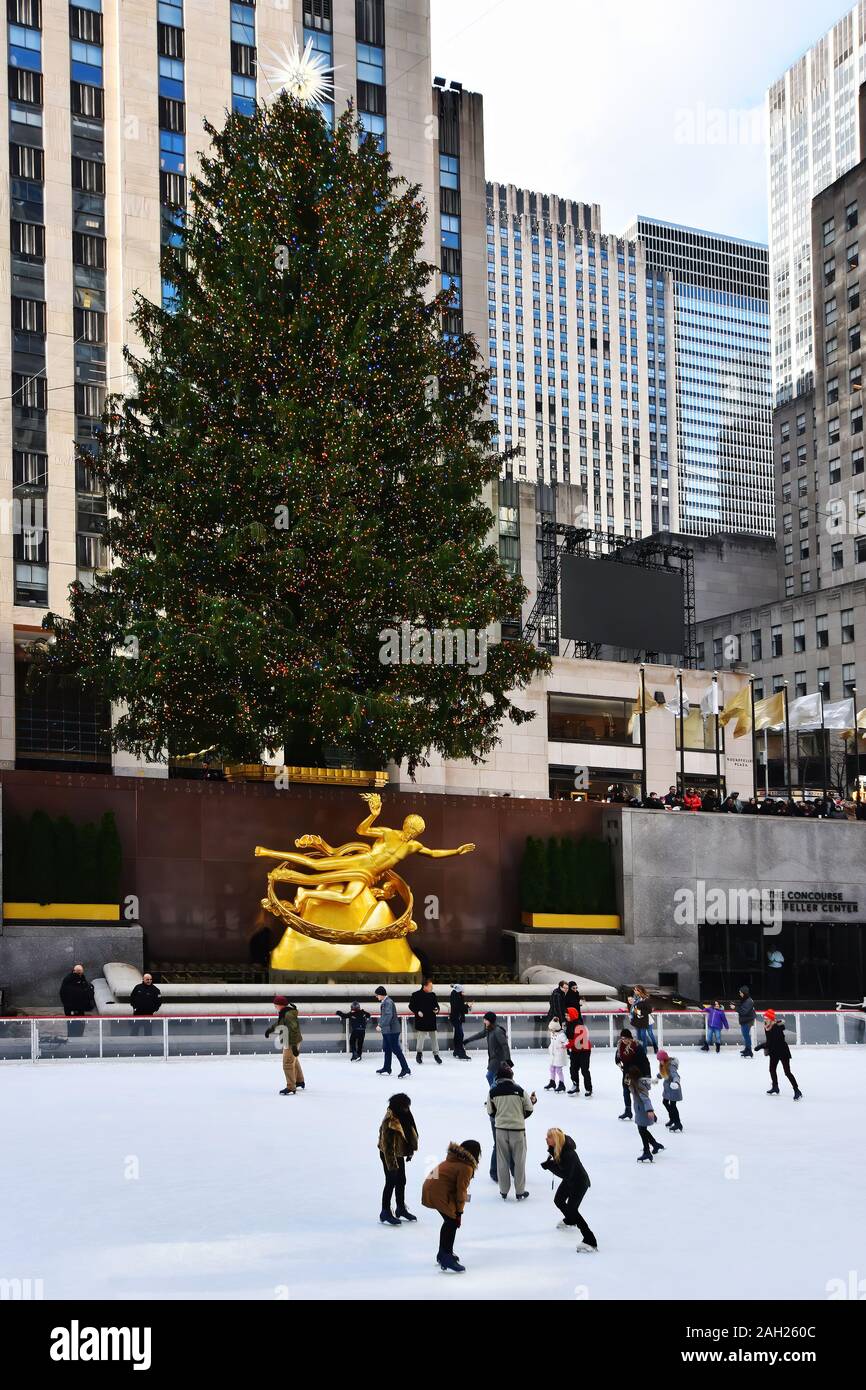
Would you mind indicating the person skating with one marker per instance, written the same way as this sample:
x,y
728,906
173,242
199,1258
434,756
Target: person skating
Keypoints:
x,y
509,1106
357,1019
775,1045
672,1090
446,1190
77,998
558,1053
563,1162
389,1027
644,1114
630,1053
424,1007
558,1003
288,1031
641,1017
716,1021
573,999
145,1000
579,1048
498,1051
398,1141
458,1007
745,1007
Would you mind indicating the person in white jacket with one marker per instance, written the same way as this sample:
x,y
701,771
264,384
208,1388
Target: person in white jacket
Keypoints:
x,y
558,1056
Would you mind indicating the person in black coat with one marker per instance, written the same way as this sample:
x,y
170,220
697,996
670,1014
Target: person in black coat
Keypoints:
x,y
775,1045
76,996
572,1000
558,1004
424,1007
458,1007
562,1161
145,1000
357,1019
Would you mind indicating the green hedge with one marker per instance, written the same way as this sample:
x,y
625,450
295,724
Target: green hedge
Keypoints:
x,y
51,860
565,875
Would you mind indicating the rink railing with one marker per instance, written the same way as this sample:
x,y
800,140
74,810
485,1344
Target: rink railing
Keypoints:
x,y
55,1038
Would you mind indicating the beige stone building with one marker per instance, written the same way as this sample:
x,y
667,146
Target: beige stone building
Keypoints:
x,y
104,124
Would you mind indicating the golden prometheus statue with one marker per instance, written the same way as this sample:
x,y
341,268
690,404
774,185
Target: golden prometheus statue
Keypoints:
x,y
351,911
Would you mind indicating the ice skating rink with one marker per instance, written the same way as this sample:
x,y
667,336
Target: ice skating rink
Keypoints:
x,y
195,1179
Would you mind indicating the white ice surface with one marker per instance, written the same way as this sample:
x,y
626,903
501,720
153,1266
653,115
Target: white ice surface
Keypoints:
x,y
195,1179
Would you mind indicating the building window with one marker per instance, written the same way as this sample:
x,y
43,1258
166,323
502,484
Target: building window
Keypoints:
x,y
822,634
851,216
799,635
824,681
799,683
828,231
849,679
776,640
847,616
757,646
836,559
860,550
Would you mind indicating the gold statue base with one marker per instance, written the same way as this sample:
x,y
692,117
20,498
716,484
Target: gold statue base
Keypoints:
x,y
296,952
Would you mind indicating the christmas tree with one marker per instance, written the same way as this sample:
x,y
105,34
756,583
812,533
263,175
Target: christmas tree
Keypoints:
x,y
297,467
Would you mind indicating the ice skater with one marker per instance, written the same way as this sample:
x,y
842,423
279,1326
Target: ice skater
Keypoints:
x,y
644,1114
672,1091
630,1053
398,1141
509,1107
579,1048
641,1017
745,1007
288,1031
562,1161
446,1190
558,1054
425,1006
716,1021
775,1045
357,1019
458,1008
389,1027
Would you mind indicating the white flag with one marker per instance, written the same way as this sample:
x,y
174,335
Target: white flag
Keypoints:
x,y
673,705
839,714
805,712
710,700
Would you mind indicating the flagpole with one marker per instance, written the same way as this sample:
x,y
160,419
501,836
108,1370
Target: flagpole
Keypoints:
x,y
682,737
788,745
642,732
754,742
856,748
824,750
718,753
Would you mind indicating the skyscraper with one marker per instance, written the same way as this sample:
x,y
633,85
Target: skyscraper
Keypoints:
x,y
106,109
814,138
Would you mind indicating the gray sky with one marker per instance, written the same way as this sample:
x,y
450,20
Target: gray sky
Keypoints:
x,y
652,106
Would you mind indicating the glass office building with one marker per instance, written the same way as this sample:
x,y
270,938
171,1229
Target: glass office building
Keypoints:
x,y
721,353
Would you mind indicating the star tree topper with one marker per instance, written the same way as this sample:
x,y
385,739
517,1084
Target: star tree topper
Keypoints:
x,y
305,75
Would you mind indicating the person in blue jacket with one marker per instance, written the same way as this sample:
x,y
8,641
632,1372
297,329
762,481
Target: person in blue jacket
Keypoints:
x,y
716,1021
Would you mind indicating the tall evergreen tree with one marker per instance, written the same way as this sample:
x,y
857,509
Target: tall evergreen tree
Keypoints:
x,y
298,466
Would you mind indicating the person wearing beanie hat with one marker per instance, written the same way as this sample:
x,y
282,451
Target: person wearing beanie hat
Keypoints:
x,y
509,1107
558,1053
644,1114
446,1190
459,1007
672,1091
357,1019
288,1031
498,1051
745,1007
775,1045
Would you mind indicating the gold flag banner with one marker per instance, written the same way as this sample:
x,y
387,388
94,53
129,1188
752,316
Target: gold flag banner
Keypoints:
x,y
769,713
861,725
738,709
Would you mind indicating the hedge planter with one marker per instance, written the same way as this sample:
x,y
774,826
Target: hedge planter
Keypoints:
x,y
61,912
571,921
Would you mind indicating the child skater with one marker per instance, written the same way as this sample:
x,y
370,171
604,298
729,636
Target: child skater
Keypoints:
x,y
716,1021
558,1055
446,1190
672,1094
358,1019
562,1161
644,1115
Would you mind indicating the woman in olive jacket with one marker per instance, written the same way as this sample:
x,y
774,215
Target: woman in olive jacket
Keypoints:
x,y
398,1141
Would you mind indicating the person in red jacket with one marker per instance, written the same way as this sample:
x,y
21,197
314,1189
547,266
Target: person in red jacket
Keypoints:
x,y
691,800
578,1047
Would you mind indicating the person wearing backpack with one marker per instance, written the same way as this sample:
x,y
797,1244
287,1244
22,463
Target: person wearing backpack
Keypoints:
x,y
288,1032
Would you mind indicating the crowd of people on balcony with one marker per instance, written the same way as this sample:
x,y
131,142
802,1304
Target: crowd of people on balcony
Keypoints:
x,y
824,807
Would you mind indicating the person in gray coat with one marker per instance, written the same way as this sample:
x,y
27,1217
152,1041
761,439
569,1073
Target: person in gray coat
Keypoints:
x,y
745,1007
672,1090
644,1114
389,1027
498,1051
